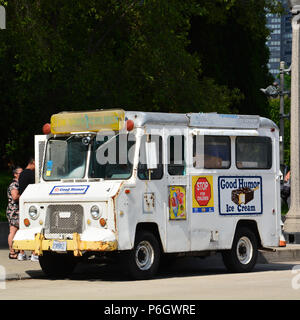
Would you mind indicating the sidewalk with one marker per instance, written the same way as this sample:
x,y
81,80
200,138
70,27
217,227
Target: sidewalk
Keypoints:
x,y
19,270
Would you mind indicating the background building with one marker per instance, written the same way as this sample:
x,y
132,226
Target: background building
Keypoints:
x,y
280,40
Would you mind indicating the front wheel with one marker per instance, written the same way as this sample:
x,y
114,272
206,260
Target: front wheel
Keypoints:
x,y
243,254
143,260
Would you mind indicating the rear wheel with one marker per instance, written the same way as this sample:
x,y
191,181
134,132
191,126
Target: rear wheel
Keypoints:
x,y
143,260
57,265
243,254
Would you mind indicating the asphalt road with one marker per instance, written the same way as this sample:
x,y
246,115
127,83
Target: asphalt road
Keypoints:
x,y
185,279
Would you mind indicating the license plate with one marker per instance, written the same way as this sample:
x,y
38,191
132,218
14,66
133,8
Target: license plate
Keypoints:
x,y
64,215
59,245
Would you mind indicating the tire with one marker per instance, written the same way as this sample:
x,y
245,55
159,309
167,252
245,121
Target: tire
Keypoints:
x,y
56,265
243,254
143,261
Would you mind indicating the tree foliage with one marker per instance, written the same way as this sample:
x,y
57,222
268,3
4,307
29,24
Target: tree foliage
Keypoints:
x,y
169,56
230,42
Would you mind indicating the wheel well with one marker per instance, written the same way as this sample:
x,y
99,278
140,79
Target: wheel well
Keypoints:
x,y
252,225
151,227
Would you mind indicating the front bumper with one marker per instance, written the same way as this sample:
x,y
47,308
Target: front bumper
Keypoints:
x,y
40,244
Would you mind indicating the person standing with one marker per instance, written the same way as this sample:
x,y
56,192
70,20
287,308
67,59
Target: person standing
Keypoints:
x,y
12,211
27,177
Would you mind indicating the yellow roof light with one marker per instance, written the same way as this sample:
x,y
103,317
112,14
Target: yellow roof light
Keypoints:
x,y
90,121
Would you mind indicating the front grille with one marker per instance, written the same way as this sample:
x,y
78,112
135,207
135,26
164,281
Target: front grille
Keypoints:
x,y
64,219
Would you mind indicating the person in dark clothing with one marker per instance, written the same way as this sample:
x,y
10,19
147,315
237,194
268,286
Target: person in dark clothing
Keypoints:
x,y
28,176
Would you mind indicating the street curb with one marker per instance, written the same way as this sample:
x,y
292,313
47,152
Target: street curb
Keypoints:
x,y
17,276
24,275
283,254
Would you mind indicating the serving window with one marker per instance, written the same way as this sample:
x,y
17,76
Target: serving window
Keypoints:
x,y
143,172
176,156
253,152
211,152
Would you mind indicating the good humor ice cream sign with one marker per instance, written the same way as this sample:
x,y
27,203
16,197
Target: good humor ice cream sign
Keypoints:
x,y
240,195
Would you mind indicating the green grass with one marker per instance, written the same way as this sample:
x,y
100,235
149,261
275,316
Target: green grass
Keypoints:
x,y
5,179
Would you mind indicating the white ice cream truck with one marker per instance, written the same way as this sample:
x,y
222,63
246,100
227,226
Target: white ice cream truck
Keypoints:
x,y
140,186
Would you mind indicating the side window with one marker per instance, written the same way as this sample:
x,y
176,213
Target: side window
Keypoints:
x,y
211,152
253,152
176,163
112,156
143,172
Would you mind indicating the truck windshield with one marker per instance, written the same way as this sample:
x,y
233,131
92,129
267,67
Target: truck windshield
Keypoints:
x,y
112,157
65,158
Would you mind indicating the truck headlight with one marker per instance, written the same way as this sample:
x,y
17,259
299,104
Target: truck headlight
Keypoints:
x,y
33,212
95,212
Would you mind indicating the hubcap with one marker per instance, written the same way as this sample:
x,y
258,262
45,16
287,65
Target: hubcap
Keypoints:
x,y
244,250
144,255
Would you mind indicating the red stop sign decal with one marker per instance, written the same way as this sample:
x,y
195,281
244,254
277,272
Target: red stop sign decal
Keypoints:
x,y
202,191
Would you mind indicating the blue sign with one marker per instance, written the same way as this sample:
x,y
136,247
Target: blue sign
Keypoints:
x,y
75,189
240,195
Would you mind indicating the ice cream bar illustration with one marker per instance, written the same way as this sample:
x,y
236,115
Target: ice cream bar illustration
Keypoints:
x,y
242,195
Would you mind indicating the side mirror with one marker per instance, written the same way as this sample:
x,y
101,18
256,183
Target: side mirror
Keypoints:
x,y
151,155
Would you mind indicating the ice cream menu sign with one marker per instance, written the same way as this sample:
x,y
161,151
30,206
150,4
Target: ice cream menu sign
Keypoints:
x,y
240,195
